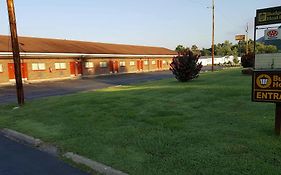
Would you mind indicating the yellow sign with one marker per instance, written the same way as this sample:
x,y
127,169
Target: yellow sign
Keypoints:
x,y
240,37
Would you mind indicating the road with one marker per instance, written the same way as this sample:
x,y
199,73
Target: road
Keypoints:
x,y
55,88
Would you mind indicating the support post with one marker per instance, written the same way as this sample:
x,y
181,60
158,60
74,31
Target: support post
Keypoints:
x,y
255,38
16,52
247,38
213,35
278,119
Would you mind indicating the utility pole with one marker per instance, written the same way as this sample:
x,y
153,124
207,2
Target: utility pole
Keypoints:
x,y
213,35
247,37
16,52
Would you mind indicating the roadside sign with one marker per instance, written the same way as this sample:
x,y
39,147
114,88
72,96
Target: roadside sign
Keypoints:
x,y
272,34
268,16
266,86
240,37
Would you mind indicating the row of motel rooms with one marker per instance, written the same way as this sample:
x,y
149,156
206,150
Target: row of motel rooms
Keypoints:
x,y
46,69
47,59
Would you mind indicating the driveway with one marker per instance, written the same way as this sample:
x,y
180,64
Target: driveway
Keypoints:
x,y
46,89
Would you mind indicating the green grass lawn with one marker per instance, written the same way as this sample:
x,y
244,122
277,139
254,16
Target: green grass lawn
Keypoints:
x,y
206,126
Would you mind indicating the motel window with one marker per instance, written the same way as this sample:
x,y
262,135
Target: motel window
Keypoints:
x,y
1,68
122,64
38,66
145,62
103,64
153,62
132,63
89,64
60,66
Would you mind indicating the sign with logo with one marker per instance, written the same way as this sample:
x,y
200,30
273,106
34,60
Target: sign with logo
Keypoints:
x,y
272,34
266,86
268,16
240,37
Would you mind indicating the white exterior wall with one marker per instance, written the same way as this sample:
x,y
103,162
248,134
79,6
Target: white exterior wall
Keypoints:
x,y
218,60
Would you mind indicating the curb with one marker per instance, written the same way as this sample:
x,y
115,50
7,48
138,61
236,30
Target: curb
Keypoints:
x,y
98,167
22,138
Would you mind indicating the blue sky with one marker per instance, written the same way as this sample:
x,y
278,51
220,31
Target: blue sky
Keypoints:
x,y
164,23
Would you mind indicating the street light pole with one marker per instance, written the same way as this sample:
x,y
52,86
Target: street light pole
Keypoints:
x,y
16,52
213,34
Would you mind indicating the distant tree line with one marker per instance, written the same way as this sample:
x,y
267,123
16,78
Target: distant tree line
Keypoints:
x,y
227,48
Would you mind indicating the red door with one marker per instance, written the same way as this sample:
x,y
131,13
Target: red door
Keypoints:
x,y
11,71
159,64
79,68
114,66
72,68
139,65
75,68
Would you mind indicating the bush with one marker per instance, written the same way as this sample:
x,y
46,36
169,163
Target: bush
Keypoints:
x,y
185,66
248,60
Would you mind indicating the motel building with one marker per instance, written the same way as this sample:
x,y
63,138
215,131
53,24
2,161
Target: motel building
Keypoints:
x,y
53,59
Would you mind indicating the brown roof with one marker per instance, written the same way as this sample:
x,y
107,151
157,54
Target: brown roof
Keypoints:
x,y
43,45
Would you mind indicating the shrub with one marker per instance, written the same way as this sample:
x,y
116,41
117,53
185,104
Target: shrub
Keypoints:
x,y
185,66
248,60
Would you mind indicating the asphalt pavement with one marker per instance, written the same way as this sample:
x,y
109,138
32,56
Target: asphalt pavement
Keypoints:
x,y
18,159
64,87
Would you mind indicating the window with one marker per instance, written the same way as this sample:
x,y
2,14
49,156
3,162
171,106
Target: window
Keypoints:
x,y
89,65
103,64
122,64
132,63
1,68
153,62
60,66
145,62
38,66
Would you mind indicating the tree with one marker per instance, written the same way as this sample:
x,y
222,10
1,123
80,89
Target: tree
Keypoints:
x,y
205,52
271,49
185,66
180,48
219,50
195,49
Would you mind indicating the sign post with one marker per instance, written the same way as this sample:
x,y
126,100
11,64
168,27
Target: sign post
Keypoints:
x,y
266,80
278,119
